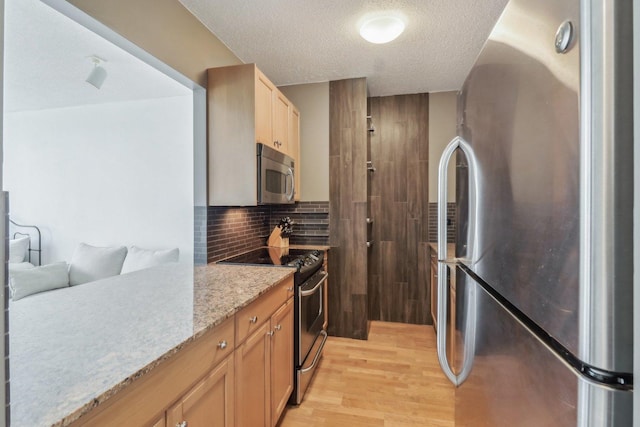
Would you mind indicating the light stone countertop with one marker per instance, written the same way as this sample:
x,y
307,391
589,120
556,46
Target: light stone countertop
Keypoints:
x,y
72,349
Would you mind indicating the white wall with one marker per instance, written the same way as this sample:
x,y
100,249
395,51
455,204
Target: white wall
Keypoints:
x,y
636,224
109,174
3,350
313,102
442,129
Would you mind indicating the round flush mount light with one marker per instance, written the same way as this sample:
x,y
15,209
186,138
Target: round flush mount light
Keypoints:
x,y
381,29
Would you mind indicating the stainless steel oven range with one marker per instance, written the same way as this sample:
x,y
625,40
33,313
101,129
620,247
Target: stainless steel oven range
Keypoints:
x,y
310,280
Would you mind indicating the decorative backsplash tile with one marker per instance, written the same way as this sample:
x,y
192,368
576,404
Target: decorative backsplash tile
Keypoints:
x,y
233,230
310,219
433,222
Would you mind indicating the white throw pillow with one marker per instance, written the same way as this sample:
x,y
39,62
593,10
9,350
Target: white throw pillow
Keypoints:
x,y
138,258
91,263
18,249
38,279
20,266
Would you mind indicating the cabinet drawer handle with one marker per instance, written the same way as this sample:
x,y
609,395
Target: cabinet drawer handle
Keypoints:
x,y
182,424
222,344
278,327
253,319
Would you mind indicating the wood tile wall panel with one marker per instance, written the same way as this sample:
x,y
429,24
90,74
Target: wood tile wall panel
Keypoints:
x,y
348,183
398,286
424,292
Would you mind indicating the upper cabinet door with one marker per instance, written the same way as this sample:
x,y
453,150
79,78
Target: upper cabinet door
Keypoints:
x,y
243,108
294,146
264,119
280,122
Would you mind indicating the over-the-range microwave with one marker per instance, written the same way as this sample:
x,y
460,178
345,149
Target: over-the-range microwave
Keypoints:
x,y
276,184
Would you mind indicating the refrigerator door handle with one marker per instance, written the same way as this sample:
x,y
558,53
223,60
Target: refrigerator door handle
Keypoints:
x,y
443,294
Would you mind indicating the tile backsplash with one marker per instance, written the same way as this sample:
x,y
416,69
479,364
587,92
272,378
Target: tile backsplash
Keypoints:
x,y
233,230
433,222
311,222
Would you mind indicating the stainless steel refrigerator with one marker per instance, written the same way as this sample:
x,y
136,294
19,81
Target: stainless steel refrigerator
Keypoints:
x,y
542,273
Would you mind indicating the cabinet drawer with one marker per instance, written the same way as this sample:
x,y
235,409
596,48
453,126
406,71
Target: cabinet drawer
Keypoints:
x,y
255,314
224,340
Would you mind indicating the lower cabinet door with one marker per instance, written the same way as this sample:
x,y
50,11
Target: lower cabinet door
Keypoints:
x,y
281,359
209,403
252,379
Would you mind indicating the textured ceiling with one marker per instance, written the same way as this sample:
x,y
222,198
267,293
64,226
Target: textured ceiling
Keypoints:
x,y
305,41
46,63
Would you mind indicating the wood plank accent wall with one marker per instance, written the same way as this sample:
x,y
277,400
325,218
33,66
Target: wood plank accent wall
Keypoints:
x,y
398,283
348,208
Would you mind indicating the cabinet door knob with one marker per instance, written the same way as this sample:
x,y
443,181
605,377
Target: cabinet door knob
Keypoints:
x,y
278,327
270,333
253,319
182,424
290,289
222,344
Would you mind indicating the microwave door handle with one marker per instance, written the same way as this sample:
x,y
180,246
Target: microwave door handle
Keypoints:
x,y
291,194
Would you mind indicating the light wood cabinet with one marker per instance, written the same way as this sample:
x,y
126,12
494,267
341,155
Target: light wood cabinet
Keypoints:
x,y
294,147
244,108
160,422
265,92
281,106
281,359
264,361
253,361
210,402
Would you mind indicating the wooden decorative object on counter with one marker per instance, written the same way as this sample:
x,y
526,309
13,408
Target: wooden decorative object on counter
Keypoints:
x,y
276,239
276,254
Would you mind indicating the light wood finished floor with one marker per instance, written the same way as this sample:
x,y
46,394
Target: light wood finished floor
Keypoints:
x,y
393,379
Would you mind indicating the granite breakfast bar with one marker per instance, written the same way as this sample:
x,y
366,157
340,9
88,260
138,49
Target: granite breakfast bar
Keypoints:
x,y
75,351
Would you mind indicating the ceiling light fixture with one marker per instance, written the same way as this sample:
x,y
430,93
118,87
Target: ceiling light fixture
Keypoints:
x,y
98,75
382,29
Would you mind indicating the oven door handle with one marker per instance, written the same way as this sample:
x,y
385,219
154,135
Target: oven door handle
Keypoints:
x,y
318,353
315,288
